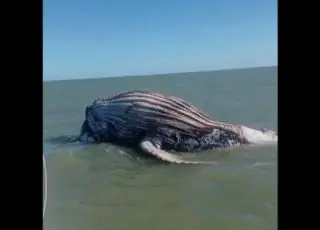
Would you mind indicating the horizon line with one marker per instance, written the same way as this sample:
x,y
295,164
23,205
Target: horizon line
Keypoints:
x,y
160,74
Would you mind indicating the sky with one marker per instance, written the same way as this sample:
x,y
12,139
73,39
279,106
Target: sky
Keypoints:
x,y
104,38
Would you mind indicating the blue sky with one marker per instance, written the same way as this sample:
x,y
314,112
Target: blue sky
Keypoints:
x,y
101,38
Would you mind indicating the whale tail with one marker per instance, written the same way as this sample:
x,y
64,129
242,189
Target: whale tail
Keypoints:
x,y
260,136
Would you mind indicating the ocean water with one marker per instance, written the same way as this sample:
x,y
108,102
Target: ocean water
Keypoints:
x,y
108,187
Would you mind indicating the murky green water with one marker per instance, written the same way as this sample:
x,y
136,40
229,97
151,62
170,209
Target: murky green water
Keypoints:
x,y
106,187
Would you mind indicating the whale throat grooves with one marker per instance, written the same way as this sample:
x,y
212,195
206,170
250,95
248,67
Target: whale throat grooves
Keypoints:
x,y
133,116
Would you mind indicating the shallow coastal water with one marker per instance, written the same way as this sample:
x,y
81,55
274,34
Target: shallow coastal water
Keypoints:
x,y
107,187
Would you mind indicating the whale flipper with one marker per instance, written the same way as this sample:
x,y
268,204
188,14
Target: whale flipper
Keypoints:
x,y
147,146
